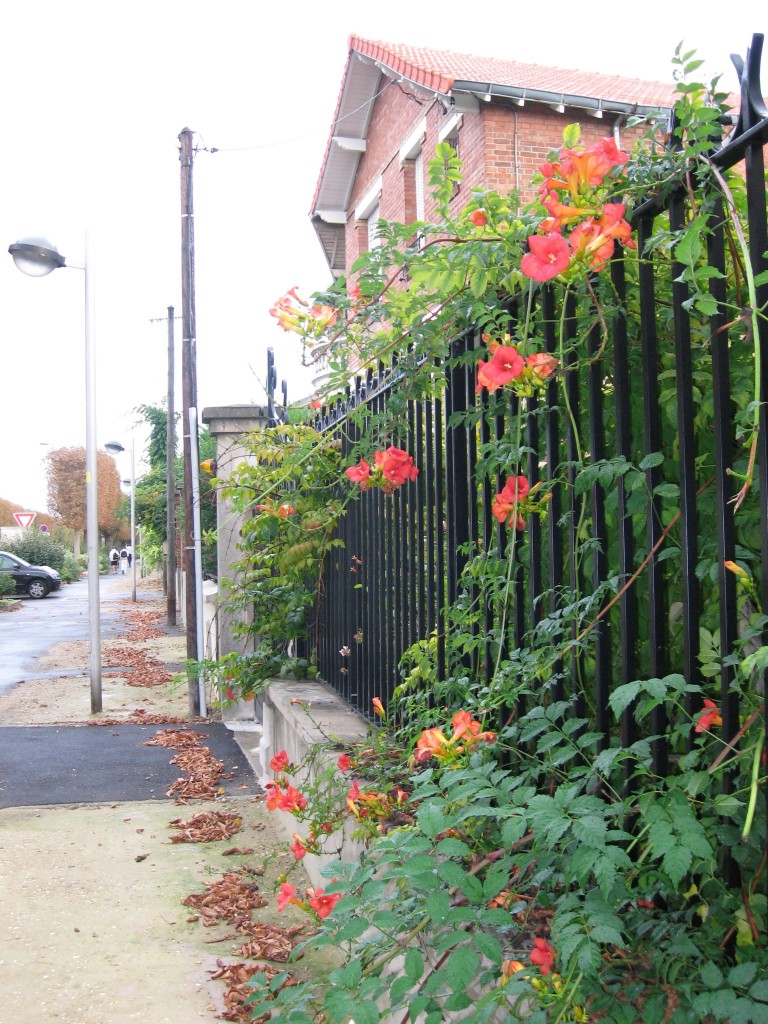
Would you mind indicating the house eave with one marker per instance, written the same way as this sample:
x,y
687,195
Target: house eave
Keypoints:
x,y
362,84
492,91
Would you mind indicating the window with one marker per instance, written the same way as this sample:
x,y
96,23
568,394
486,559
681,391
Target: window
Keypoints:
x,y
449,131
411,152
367,213
418,171
374,239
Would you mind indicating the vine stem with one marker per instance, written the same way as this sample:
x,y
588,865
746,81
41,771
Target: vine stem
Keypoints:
x,y
417,929
730,745
752,328
748,894
363,312
566,1005
635,575
753,790
510,561
632,579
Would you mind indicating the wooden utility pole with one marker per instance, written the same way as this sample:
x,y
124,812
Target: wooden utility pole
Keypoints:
x,y
189,398
170,485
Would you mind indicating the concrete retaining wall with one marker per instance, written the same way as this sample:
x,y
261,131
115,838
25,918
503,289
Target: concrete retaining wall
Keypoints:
x,y
298,715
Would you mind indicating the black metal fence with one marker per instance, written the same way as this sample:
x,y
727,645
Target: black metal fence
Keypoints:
x,y
634,401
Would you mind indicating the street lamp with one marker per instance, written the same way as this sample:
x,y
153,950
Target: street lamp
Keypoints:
x,y
114,448
37,257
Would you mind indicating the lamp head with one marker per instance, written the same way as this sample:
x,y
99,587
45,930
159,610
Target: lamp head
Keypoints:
x,y
114,447
36,256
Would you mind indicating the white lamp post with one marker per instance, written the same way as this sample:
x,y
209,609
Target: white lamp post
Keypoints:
x,y
37,257
114,448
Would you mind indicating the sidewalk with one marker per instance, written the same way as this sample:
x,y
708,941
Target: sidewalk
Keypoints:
x,y
93,929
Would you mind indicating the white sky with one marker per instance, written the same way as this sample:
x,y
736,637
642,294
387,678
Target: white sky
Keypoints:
x,y
95,94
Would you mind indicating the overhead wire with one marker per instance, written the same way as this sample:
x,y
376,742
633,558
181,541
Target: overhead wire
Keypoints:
x,y
297,138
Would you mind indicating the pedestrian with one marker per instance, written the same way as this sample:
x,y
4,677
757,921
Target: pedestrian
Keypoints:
x,y
129,549
114,558
123,561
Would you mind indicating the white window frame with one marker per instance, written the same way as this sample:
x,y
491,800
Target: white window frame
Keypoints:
x,y
418,171
368,210
369,201
414,142
449,127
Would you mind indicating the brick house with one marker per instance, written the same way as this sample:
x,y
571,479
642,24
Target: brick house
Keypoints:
x,y
397,102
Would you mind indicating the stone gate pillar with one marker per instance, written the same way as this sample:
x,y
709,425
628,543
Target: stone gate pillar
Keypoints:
x,y
228,424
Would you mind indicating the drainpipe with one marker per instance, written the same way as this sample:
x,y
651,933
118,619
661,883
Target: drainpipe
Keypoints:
x,y
197,540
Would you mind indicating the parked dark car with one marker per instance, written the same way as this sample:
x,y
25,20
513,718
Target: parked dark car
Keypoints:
x,y
35,580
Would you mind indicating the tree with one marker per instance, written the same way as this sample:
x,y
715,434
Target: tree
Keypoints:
x,y
7,508
151,490
111,501
66,469
157,448
66,488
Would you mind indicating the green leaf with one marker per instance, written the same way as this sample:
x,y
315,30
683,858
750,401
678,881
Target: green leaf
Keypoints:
x,y
622,697
591,831
340,1003
366,1012
455,877
413,965
352,930
711,975
513,830
651,460
676,863
604,871
458,1001
478,281
706,305
417,1006
489,946
742,975
461,966
494,883
347,976
450,847
433,820
387,920
760,990
607,935
438,905
571,135
654,1008
446,940
666,491
399,989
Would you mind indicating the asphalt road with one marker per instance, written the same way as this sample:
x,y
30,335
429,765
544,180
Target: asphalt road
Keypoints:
x,y
42,765
73,764
30,631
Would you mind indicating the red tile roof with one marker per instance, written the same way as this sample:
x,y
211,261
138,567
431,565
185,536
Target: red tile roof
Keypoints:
x,y
441,69
443,72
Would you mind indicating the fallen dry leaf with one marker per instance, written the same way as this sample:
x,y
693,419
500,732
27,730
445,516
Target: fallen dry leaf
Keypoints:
x,y
230,898
206,827
142,717
145,670
176,738
268,942
236,977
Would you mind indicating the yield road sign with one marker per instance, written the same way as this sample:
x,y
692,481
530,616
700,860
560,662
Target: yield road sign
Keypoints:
x,y
24,519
